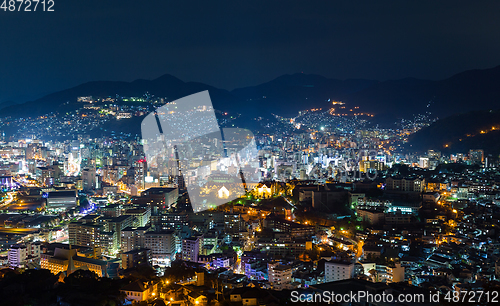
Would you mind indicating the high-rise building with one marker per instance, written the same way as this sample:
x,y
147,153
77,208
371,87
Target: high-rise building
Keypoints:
x,y
233,224
162,198
108,242
84,234
191,248
162,246
118,224
280,276
136,258
423,162
476,156
371,165
88,178
171,221
133,238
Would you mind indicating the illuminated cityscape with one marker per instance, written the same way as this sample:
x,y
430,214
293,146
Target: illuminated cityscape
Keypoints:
x,y
335,193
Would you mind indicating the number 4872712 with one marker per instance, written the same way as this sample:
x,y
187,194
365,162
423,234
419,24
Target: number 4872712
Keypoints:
x,y
27,5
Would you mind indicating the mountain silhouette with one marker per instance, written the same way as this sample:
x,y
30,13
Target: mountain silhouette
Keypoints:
x,y
166,86
286,95
460,133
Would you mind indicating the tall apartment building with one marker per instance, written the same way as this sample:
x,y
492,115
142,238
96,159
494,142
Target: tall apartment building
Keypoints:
x,y
335,271
108,241
171,221
476,156
117,224
233,224
90,234
191,248
168,196
162,246
136,258
88,178
84,234
371,165
132,238
280,276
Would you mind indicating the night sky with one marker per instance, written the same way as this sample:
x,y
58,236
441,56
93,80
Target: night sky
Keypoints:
x,y
230,44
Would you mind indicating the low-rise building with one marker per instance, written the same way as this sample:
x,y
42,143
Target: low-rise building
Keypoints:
x,y
61,260
140,291
21,254
61,200
335,271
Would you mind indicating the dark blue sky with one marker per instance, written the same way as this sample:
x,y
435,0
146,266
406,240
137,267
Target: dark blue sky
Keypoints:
x,y
236,43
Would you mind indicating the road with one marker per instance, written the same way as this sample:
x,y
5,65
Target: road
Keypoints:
x,y
9,200
16,230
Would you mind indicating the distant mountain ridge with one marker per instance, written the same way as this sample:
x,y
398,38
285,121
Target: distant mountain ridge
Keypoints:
x,y
288,94
165,86
460,133
470,90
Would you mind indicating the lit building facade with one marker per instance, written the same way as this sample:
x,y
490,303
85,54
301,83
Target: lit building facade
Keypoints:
x,y
335,271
